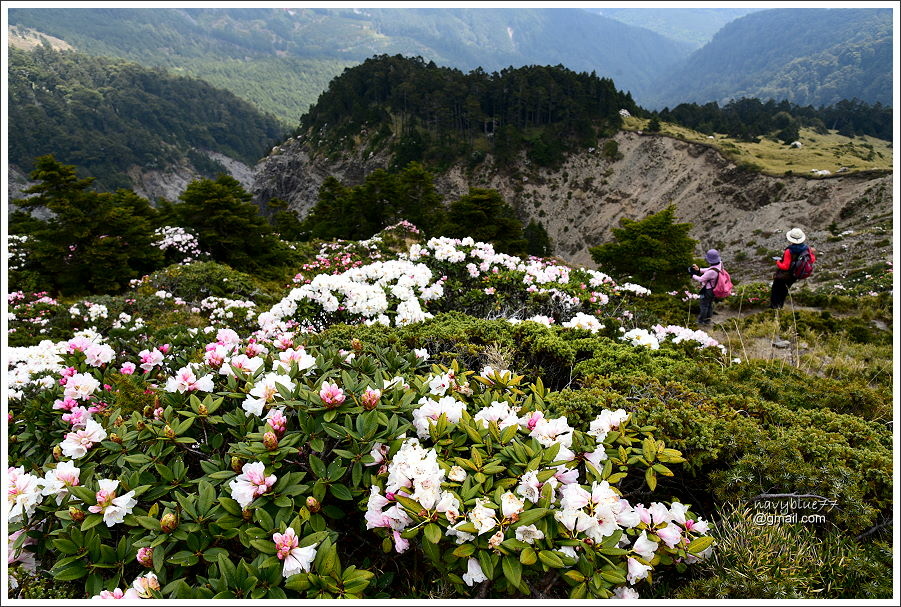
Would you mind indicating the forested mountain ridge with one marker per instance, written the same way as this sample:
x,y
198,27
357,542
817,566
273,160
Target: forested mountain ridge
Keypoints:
x,y
115,120
282,59
806,56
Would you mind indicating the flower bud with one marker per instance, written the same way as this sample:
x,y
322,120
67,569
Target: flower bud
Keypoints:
x,y
148,411
57,453
145,557
76,514
169,432
588,541
202,410
237,464
140,425
270,441
423,513
119,421
168,523
370,399
115,438
246,515
514,517
313,504
357,345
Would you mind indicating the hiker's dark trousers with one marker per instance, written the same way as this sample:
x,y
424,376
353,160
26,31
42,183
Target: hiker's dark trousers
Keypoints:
x,y
780,291
706,303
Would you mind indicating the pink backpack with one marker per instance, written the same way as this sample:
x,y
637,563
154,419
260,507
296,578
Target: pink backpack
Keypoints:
x,y
723,286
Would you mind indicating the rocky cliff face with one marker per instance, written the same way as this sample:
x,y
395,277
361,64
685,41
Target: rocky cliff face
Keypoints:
x,y
743,213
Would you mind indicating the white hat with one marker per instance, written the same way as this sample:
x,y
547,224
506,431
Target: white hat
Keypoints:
x,y
796,236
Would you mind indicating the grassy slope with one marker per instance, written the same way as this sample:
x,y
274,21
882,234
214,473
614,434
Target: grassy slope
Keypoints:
x,y
819,152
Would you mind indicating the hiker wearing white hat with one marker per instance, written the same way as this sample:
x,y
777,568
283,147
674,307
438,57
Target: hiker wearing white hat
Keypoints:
x,y
795,264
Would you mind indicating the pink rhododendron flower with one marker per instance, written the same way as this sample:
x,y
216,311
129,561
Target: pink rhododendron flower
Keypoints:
x,y
66,404
56,481
77,416
331,394
118,593
186,381
277,420
251,483
113,507
127,368
150,359
296,559
145,557
76,444
370,398
81,386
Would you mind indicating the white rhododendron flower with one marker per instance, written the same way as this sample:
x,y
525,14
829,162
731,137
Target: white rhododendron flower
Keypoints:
x,y
529,533
113,507
474,573
23,493
77,443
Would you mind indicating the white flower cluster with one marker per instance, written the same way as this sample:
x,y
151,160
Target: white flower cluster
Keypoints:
x,y
595,512
680,334
180,240
584,321
222,309
16,253
126,321
365,291
33,365
634,288
641,337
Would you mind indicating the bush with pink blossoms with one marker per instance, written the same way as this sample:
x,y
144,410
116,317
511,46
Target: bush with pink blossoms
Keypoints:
x,y
356,455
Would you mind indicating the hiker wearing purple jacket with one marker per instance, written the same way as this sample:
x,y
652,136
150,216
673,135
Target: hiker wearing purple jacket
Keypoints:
x,y
707,277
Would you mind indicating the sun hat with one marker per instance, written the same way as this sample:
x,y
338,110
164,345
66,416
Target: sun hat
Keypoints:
x,y
713,256
795,236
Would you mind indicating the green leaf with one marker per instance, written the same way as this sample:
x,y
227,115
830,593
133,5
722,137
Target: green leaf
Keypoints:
x,y
650,478
264,546
64,546
84,494
91,520
512,569
230,506
528,556
700,544
487,561
71,572
527,517
550,559
432,533
148,522
207,496
464,550
317,466
341,492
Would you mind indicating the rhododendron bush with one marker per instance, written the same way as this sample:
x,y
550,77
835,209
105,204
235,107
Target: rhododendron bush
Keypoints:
x,y
222,466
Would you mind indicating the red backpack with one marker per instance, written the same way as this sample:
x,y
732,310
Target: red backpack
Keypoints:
x,y
801,266
723,286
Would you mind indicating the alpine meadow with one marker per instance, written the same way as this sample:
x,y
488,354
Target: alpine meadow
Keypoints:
x,y
450,303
